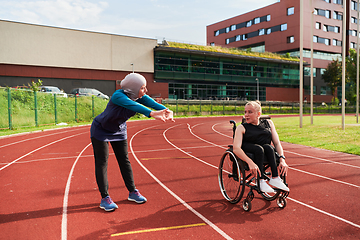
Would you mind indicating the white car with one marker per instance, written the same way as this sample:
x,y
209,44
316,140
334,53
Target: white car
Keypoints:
x,y
53,90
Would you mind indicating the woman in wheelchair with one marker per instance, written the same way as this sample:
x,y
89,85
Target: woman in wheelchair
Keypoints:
x,y
255,136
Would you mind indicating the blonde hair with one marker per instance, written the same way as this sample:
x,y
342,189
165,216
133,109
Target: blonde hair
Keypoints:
x,y
256,104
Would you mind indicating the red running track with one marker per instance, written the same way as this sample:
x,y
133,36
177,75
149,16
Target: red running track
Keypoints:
x,y
48,188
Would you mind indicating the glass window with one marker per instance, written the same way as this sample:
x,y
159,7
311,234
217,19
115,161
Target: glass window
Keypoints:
x,y
325,28
261,32
317,25
233,27
290,11
244,36
217,33
327,13
290,39
268,18
328,1
227,30
257,20
284,27
336,29
238,38
315,39
248,24
227,41
268,31
334,42
327,41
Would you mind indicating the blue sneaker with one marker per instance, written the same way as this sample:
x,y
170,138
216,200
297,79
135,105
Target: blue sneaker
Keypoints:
x,y
107,204
136,197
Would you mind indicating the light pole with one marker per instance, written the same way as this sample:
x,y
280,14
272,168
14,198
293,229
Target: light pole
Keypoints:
x,y
257,88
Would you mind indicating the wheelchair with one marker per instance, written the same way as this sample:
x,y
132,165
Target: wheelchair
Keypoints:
x,y
233,179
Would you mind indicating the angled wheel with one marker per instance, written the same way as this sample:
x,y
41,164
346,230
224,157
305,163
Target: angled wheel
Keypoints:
x,y
231,178
247,205
281,202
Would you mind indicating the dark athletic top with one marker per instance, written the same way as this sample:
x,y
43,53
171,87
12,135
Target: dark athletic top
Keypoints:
x,y
257,134
110,125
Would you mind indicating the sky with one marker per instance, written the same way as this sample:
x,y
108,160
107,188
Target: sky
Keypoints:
x,y
181,21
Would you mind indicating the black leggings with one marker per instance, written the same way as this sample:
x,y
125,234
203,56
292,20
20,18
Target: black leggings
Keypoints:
x,y
101,154
260,152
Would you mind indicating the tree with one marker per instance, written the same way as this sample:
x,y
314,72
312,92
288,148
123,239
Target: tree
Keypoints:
x,y
332,75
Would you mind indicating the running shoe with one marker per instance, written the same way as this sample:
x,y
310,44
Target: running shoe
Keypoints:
x,y
279,184
135,196
107,204
264,186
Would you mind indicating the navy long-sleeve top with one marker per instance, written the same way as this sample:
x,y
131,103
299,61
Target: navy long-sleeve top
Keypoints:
x,y
110,125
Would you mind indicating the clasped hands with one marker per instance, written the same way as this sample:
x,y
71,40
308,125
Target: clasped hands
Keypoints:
x,y
163,115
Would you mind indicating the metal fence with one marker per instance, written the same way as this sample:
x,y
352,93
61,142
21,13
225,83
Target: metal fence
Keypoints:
x,y
26,108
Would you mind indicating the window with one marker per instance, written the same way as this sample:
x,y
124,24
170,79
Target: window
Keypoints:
x,y
327,41
318,25
315,39
290,39
328,1
268,18
217,33
353,20
244,36
227,41
353,5
248,24
238,38
257,20
336,29
233,27
290,11
261,32
283,27
338,2
322,12
212,44
268,31
337,43
353,45
325,28
227,30
337,15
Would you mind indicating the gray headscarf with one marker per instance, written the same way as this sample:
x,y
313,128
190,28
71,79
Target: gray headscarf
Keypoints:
x,y
131,85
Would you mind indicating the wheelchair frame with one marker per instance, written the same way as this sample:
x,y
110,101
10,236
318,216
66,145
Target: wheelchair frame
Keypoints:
x,y
232,179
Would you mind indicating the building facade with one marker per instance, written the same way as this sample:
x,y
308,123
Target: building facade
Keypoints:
x,y
69,59
276,28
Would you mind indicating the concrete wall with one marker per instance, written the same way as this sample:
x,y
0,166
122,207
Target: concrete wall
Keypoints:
x,y
27,44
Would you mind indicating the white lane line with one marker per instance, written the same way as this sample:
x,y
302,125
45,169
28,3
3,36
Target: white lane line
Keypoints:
x,y
66,198
327,178
325,160
38,150
172,193
311,207
326,213
28,139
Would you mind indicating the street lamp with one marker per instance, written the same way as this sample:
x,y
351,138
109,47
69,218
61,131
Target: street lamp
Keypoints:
x,y
257,87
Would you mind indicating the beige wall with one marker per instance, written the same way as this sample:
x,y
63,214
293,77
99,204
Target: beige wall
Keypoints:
x,y
27,44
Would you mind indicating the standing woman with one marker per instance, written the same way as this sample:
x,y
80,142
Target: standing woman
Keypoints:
x,y
110,127
255,136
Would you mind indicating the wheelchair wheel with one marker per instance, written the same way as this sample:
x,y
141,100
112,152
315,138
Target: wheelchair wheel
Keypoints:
x,y
231,178
281,202
247,205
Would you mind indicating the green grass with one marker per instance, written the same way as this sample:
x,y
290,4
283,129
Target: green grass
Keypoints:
x,y
235,51
326,132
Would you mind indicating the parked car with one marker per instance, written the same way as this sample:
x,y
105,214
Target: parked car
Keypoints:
x,y
88,92
53,90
